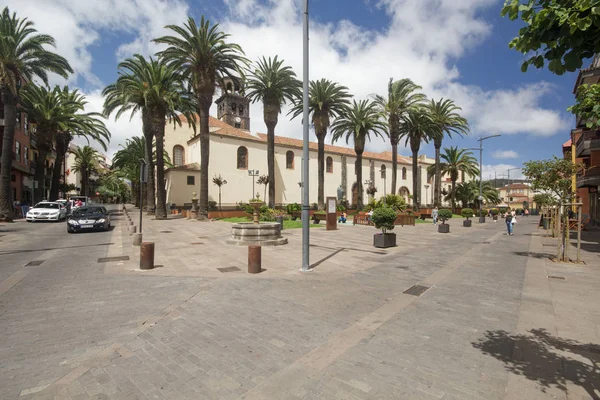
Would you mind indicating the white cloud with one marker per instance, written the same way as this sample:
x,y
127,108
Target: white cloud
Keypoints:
x,y
502,154
416,43
501,171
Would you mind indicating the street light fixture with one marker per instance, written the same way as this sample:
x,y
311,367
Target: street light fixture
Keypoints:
x,y
253,173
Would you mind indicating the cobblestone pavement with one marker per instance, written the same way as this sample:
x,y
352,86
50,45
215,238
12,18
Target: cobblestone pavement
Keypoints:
x,y
490,325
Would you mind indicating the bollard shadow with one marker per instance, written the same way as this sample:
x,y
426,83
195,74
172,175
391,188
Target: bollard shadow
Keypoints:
x,y
322,260
533,254
549,360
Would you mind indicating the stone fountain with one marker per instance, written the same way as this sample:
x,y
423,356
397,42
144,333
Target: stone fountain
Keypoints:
x,y
256,232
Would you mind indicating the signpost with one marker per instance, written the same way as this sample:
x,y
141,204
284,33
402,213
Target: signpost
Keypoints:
x,y
331,211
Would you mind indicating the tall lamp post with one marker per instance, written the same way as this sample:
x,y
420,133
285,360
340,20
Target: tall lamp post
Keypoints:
x,y
382,170
253,173
305,154
480,198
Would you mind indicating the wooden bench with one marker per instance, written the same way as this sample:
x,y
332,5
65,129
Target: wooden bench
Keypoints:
x,y
318,217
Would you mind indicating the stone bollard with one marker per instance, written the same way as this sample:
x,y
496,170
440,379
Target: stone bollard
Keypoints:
x,y
147,255
254,259
132,229
137,239
130,222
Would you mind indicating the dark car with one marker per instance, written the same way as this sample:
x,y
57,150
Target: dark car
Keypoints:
x,y
88,218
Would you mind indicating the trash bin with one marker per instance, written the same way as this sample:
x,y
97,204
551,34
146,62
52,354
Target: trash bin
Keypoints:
x,y
279,220
545,223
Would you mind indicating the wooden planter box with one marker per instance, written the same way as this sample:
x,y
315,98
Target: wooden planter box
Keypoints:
x,y
383,241
405,219
296,215
319,217
444,228
467,223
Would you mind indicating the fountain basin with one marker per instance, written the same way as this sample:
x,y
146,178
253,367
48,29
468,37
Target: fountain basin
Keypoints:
x,y
263,234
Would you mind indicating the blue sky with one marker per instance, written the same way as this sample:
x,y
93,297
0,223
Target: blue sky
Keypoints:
x,y
454,49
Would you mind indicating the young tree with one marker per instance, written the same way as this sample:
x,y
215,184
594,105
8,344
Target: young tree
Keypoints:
x,y
358,123
23,56
264,180
204,56
326,100
86,163
274,84
401,96
219,181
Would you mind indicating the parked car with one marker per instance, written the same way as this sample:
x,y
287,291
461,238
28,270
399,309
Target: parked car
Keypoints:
x,y
90,217
46,211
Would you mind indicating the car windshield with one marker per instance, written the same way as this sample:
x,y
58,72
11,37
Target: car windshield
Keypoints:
x,y
46,205
88,211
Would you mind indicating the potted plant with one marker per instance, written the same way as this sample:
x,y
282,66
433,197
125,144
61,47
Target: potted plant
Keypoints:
x,y
444,215
494,212
384,218
295,210
467,213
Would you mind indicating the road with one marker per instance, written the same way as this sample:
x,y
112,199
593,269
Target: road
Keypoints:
x,y
65,310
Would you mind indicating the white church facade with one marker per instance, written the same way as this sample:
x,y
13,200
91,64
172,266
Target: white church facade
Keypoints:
x,y
235,152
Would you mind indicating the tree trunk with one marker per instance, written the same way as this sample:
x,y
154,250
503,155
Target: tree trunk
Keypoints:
x,y
84,182
415,146
394,165
438,175
270,116
204,158
453,196
40,171
10,119
158,127
56,172
358,173
150,186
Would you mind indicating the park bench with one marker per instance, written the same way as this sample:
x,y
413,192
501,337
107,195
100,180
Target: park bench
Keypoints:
x,y
318,217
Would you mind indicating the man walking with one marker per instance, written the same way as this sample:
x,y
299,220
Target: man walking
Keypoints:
x,y
434,215
509,224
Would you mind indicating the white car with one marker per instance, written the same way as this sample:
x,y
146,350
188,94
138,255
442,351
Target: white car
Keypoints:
x,y
46,211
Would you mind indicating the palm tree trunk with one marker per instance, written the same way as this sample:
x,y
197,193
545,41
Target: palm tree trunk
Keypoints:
x,y
359,188
394,165
84,182
321,168
40,172
158,126
453,196
56,172
415,174
270,116
10,119
151,189
204,158
438,175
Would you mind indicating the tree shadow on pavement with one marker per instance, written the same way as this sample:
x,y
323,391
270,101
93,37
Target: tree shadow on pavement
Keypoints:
x,y
533,254
551,361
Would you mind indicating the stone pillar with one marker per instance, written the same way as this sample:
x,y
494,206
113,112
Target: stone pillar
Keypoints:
x,y
147,255
345,177
254,259
194,210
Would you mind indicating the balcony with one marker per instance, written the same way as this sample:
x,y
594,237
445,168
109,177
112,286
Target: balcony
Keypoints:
x,y
587,142
589,178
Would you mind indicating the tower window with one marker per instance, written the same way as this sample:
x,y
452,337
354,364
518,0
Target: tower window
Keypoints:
x,y
238,125
329,165
404,173
233,107
241,109
242,158
229,87
178,156
289,160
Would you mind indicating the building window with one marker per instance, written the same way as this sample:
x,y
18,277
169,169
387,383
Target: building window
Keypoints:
x,y
289,160
18,125
191,180
233,107
178,156
18,151
238,125
241,109
25,124
404,173
25,155
329,165
242,158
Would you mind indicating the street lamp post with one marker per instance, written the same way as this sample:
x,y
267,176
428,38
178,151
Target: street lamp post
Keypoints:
x,y
305,154
480,198
253,173
384,183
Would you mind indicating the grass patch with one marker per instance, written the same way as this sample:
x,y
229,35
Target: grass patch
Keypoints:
x,y
287,224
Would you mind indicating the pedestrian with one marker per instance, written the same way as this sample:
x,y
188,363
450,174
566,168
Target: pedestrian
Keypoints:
x,y
509,224
343,217
370,215
434,215
527,212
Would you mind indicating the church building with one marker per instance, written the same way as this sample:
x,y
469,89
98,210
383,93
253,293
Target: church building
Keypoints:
x,y
240,157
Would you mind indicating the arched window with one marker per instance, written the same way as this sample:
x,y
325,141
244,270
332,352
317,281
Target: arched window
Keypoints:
x,y
229,87
233,108
241,110
404,173
289,160
383,171
178,156
329,165
242,158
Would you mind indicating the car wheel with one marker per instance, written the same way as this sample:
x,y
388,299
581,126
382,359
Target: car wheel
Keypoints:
x,y
69,230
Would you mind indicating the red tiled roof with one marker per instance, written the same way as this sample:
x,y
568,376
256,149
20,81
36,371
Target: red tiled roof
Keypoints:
x,y
186,167
567,143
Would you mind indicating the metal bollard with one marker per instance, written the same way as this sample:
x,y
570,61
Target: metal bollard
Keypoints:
x,y
147,255
132,229
254,259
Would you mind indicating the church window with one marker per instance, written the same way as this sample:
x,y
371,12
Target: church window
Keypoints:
x,y
404,173
329,165
241,109
289,160
242,158
229,87
191,180
233,108
178,156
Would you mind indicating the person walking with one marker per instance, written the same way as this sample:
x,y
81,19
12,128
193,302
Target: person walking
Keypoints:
x,y
509,223
434,215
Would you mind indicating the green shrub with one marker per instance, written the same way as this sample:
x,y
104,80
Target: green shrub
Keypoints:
x,y
467,213
212,205
503,210
384,218
293,207
341,207
494,211
444,215
397,203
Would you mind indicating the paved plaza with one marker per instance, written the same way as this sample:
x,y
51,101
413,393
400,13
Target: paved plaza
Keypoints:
x,y
497,319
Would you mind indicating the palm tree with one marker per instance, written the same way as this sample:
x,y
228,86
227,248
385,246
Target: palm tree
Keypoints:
x,y
468,192
127,162
401,96
219,181
358,123
326,100
415,126
22,56
157,90
447,121
454,162
204,56
274,84
86,163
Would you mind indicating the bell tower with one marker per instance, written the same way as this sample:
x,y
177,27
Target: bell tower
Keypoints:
x,y
233,108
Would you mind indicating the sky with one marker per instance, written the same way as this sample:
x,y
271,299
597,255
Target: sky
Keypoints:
x,y
453,49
